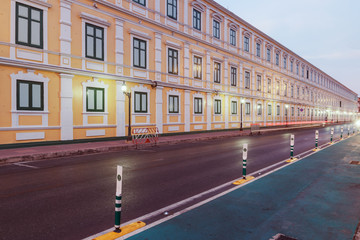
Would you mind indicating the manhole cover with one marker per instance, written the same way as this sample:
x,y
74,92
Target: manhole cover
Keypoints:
x,y
281,236
355,162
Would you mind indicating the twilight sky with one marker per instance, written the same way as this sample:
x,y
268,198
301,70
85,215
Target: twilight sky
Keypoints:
x,y
324,32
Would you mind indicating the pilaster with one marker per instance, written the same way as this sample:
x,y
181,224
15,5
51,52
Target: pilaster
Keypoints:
x,y
120,110
159,108
65,33
119,46
66,107
208,110
187,113
158,56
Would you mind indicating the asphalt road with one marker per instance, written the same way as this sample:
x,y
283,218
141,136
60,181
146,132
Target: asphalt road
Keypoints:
x,y
73,198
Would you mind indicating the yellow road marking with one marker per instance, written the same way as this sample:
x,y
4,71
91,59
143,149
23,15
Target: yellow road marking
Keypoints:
x,y
242,181
291,160
124,230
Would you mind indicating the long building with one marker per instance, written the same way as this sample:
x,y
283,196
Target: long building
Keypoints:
x,y
186,66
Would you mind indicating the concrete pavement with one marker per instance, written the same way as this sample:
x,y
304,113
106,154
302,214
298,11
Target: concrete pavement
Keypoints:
x,y
314,198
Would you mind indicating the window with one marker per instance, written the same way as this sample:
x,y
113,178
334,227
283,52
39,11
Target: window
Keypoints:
x,y
197,67
307,74
269,110
285,61
140,102
247,108
233,76
292,91
29,26
277,59
292,111
269,85
172,9
217,106
278,87
139,53
94,41
247,80
141,2
217,67
232,37
258,53
216,29
298,112
298,92
95,99
258,82
246,44
172,61
291,66
302,71
268,54
233,107
259,109
278,110
29,95
198,105
173,104
297,69
285,89
197,19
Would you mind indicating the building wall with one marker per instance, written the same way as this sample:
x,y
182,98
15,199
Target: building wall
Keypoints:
x,y
66,72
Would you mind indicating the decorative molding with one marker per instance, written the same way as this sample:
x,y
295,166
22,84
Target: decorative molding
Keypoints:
x,y
94,19
217,17
140,34
198,6
30,136
173,44
233,26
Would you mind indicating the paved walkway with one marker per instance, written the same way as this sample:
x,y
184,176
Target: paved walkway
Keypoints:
x,y
315,198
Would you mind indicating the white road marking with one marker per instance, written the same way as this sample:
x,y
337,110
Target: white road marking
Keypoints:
x,y
25,165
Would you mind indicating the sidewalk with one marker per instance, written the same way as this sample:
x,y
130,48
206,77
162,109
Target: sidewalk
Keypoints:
x,y
64,150
314,198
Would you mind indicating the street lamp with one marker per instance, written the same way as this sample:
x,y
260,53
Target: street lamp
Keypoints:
x,y
286,114
241,113
128,94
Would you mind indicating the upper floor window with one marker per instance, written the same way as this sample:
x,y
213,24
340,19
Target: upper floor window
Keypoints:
x,y
291,66
216,29
29,26
233,37
172,9
197,19
302,71
217,67
141,2
258,52
298,92
247,79
29,95
285,61
269,85
140,102
172,61
94,41
95,99
268,54
197,67
292,91
233,107
258,82
277,59
139,54
297,69
173,104
285,89
246,44
233,76
198,105
278,87
217,106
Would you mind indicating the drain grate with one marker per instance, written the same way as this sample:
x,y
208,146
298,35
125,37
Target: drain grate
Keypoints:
x,y
355,162
281,236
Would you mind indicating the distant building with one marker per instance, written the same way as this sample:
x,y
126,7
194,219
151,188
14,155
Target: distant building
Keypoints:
x,y
190,65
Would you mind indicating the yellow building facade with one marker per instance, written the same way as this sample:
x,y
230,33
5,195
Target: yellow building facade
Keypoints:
x,y
189,65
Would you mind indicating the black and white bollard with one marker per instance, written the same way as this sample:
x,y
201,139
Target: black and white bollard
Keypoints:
x,y
118,199
245,150
292,142
316,139
332,133
348,130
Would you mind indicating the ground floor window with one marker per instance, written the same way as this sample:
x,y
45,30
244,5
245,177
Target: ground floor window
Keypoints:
x,y
247,108
173,104
198,105
217,106
140,102
30,95
95,99
233,107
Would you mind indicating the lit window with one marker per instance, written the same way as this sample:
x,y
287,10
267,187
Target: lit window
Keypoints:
x,y
258,82
269,85
217,67
197,67
259,109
